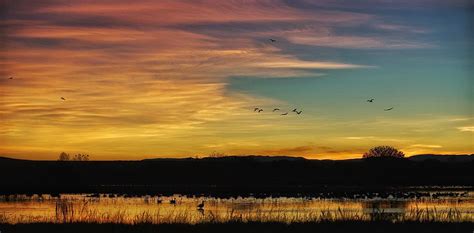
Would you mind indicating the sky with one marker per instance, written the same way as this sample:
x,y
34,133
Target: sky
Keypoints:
x,y
145,79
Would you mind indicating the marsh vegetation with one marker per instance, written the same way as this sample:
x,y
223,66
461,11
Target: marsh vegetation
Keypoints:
x,y
124,209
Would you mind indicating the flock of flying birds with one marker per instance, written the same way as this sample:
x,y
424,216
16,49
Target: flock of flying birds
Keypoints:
x,y
386,109
372,100
62,98
259,110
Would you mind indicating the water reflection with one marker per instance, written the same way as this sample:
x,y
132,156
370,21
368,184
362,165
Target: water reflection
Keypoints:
x,y
385,209
159,209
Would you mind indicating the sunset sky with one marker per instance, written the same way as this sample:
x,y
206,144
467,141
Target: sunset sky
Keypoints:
x,y
146,79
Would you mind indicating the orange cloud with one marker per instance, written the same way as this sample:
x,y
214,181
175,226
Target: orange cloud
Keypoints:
x,y
152,77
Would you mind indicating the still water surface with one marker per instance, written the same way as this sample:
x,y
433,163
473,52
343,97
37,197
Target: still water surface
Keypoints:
x,y
154,209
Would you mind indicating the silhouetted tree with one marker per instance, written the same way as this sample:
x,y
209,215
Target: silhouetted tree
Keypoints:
x,y
384,152
81,157
64,157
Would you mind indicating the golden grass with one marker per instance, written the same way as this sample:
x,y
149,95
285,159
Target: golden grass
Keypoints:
x,y
145,210
67,211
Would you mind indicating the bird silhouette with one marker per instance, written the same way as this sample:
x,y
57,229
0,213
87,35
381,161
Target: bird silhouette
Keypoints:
x,y
294,110
63,98
299,112
284,114
159,201
272,40
370,100
276,109
256,109
388,109
10,78
260,110
173,201
201,206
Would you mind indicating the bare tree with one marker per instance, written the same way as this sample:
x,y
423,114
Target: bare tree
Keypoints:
x,y
64,157
385,152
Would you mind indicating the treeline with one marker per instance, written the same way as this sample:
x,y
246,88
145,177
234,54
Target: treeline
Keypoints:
x,y
203,175
77,157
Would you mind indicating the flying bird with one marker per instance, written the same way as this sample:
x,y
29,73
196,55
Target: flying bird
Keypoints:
x,y
260,110
276,109
256,109
272,40
294,110
370,100
299,112
388,109
63,98
10,78
284,114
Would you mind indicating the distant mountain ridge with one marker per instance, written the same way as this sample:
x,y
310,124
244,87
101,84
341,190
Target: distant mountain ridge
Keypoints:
x,y
255,158
443,158
264,158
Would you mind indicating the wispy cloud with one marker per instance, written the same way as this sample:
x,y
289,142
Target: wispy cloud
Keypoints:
x,y
426,146
147,76
299,150
374,138
456,119
359,138
466,129
354,42
309,65
400,28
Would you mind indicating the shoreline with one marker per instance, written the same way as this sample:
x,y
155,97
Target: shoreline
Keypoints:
x,y
226,191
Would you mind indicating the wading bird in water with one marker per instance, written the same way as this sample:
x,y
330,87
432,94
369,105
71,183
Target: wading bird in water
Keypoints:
x,y
201,206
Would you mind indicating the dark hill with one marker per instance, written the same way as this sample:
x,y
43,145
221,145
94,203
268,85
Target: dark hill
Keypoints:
x,y
228,175
443,158
235,158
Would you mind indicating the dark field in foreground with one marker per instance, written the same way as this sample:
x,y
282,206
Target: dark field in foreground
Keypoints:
x,y
342,226
229,176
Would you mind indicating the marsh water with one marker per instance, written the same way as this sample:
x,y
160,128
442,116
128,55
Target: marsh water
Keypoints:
x,y
457,206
